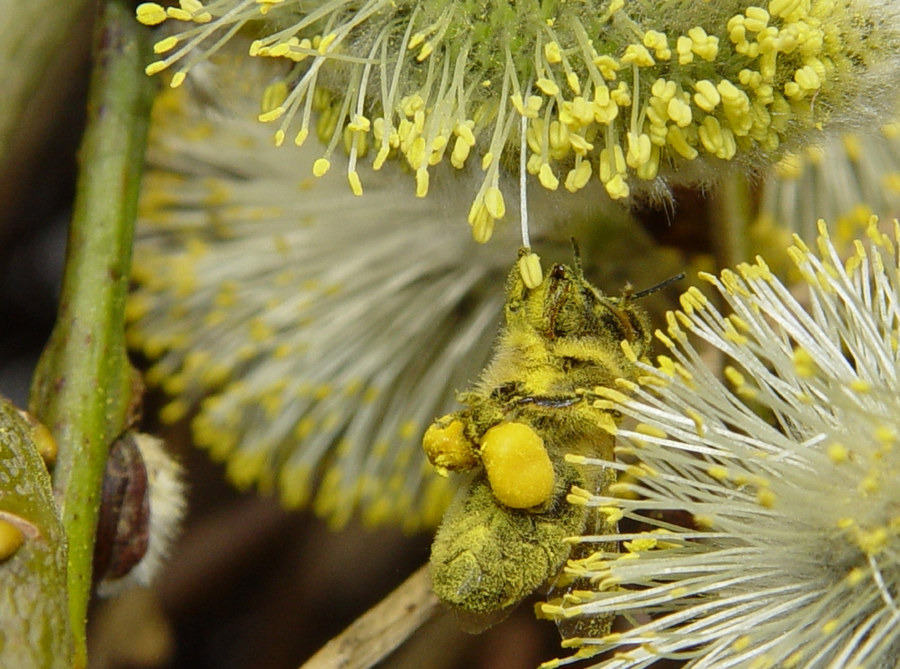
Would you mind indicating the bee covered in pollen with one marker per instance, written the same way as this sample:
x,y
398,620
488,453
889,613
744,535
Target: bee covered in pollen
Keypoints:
x,y
503,535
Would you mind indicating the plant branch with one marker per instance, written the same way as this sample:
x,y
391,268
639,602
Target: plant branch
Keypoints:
x,y
381,629
82,388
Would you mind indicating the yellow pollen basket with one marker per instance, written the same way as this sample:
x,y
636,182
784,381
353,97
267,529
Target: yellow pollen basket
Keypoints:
x,y
517,465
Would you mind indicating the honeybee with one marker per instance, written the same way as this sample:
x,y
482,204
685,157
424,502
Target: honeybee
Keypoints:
x,y
502,537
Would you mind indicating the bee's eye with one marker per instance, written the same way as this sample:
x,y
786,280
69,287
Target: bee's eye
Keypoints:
x,y
570,364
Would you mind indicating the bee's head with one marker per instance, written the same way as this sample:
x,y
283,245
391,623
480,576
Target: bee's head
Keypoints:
x,y
566,306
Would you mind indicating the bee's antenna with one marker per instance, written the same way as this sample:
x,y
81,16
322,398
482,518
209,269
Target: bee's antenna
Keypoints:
x,y
576,254
657,287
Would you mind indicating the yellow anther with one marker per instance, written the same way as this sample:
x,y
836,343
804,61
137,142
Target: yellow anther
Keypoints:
x,y
659,43
547,178
638,55
717,140
426,50
664,90
559,138
326,42
150,13
805,80
577,113
271,115
360,124
482,224
416,40
493,201
838,453
273,96
684,48
155,67
422,181
578,177
617,188
178,14
706,97
766,498
608,67
547,86
166,44
784,8
650,169
679,142
680,112
639,148
757,19
279,50
705,46
718,472
606,109
579,144
552,53
530,270
612,164
621,95
460,152
464,132
321,166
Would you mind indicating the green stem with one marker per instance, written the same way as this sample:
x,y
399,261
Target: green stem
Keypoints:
x,y
82,388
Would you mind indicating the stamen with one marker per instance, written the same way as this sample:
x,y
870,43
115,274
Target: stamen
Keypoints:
x,y
529,262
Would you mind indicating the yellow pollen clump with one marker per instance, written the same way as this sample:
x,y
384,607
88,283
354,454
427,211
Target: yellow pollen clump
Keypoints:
x,y
447,447
517,465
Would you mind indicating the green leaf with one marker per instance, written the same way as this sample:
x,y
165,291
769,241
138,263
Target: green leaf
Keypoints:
x,y
34,617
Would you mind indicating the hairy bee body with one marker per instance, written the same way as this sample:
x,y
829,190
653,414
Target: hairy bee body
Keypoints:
x,y
503,536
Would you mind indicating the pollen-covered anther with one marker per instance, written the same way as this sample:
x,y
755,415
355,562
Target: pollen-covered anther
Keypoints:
x,y
189,10
612,172
638,55
653,39
517,465
530,269
150,13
